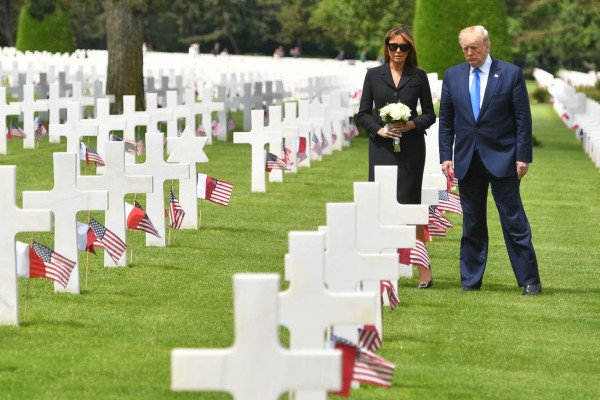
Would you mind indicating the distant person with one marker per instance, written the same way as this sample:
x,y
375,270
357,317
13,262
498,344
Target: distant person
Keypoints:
x,y
340,56
225,52
363,55
194,49
485,122
279,52
399,79
216,50
144,48
295,52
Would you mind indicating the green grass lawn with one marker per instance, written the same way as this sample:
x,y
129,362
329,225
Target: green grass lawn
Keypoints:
x,y
114,340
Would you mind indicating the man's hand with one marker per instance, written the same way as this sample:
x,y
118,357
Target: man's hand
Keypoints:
x,y
448,169
522,168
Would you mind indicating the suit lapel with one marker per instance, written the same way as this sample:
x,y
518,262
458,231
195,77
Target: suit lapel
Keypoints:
x,y
386,75
492,84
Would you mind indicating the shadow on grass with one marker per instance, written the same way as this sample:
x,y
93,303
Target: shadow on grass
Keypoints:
x,y
47,322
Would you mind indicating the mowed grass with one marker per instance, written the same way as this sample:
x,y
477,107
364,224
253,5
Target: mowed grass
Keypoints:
x,y
114,340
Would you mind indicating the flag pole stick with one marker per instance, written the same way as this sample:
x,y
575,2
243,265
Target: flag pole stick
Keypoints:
x,y
26,299
132,234
87,253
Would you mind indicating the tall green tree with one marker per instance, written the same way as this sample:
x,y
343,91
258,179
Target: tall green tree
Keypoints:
x,y
360,25
552,35
44,25
437,24
9,10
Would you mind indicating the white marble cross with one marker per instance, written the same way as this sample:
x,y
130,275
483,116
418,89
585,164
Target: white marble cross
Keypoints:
x,y
257,138
305,127
188,148
158,114
134,119
178,111
197,108
79,97
6,110
318,112
161,171
65,200
14,220
374,235
73,129
248,101
308,308
289,135
29,106
210,107
117,183
345,265
106,124
56,105
256,367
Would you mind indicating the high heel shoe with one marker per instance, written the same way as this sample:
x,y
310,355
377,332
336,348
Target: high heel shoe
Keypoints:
x,y
425,285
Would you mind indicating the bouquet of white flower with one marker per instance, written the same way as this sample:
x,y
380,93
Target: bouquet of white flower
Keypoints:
x,y
392,113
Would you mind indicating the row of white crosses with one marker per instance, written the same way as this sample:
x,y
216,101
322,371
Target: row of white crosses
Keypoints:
x,y
72,193
324,269
312,118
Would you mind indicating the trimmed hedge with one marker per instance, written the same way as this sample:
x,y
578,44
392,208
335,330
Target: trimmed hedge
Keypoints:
x,y
52,33
437,24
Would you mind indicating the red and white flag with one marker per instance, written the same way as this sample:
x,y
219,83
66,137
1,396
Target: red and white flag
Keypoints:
x,y
368,338
214,190
386,286
301,154
15,130
140,148
45,263
137,219
273,162
364,365
39,129
100,236
449,202
316,144
419,255
130,145
176,212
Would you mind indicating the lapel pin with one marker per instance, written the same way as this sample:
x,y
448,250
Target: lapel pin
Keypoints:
x,y
495,75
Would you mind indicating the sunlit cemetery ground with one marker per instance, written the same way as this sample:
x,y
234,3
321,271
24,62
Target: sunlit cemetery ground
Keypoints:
x,y
114,340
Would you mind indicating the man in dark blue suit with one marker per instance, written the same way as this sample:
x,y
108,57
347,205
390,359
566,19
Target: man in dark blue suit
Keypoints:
x,y
485,114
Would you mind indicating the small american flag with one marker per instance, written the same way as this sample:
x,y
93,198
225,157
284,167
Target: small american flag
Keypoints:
x,y
274,162
449,202
366,366
230,123
15,130
176,212
200,130
138,219
39,129
346,132
386,286
301,155
130,145
213,189
107,240
333,135
439,218
217,127
315,145
93,156
368,338
140,148
45,263
419,255
324,142
353,130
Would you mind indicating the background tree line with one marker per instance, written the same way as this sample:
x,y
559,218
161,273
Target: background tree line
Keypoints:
x,y
546,33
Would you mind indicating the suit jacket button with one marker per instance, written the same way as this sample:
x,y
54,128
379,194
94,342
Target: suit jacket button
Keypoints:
x,y
395,94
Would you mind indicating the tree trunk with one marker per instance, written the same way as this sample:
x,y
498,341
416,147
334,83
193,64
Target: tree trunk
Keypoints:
x,y
124,39
7,27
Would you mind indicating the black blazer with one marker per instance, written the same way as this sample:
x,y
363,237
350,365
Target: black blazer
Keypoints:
x,y
379,88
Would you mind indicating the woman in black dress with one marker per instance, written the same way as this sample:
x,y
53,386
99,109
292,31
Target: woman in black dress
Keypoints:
x,y
399,79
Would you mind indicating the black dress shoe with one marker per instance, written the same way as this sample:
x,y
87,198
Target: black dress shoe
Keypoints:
x,y
529,290
470,288
425,285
